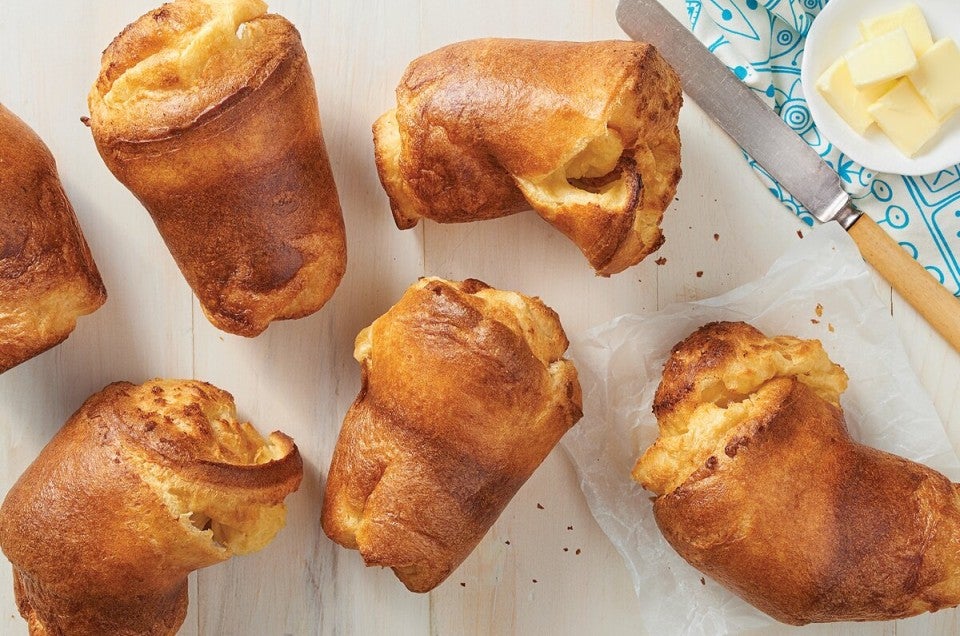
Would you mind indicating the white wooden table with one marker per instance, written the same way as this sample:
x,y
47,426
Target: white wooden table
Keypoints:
x,y
538,571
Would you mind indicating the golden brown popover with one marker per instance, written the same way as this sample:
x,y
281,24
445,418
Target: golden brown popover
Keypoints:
x,y
584,133
759,485
206,110
142,485
464,393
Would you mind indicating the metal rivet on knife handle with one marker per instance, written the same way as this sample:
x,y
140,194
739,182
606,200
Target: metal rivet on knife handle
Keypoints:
x,y
786,157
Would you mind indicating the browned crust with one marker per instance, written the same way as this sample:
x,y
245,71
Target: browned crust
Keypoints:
x,y
152,432
455,412
86,501
801,521
701,354
47,276
243,193
152,120
478,117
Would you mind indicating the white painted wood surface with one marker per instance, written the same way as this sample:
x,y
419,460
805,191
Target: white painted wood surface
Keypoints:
x,y
537,571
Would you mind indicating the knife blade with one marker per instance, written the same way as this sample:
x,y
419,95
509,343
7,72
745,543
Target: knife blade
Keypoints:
x,y
786,157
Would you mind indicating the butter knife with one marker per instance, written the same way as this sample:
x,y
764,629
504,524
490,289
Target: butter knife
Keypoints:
x,y
787,158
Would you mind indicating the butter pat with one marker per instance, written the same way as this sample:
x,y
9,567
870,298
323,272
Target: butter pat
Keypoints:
x,y
937,77
851,104
909,18
904,117
873,92
882,58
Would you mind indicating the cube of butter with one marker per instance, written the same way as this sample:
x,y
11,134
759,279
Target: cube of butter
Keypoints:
x,y
904,118
910,18
873,92
847,100
883,58
937,77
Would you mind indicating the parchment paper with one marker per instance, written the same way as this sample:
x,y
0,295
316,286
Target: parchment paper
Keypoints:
x,y
620,364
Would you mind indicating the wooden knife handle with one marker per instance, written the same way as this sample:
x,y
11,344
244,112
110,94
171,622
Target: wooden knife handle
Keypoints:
x,y
931,299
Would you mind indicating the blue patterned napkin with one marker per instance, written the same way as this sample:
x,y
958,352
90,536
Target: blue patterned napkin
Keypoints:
x,y
762,42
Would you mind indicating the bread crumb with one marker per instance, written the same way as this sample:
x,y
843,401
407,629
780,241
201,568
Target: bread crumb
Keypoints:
x,y
800,233
830,327
534,580
716,237
566,549
703,581
507,542
578,551
539,506
700,274
462,584
661,261
815,321
819,310
569,527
